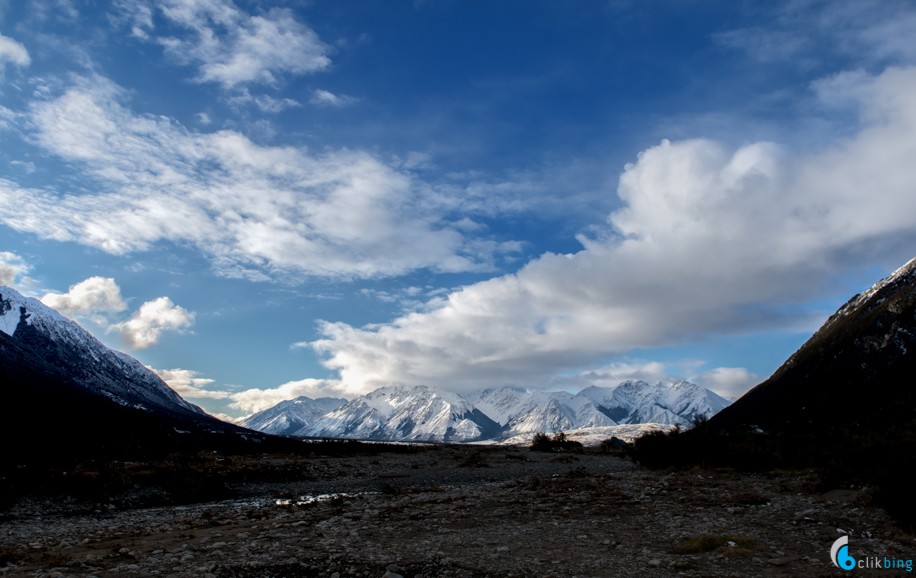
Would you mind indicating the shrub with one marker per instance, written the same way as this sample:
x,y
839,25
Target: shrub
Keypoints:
x,y
558,443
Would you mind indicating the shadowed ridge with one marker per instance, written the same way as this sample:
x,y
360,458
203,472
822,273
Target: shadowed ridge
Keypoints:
x,y
855,371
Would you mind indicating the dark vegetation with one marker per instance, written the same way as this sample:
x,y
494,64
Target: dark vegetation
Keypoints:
x,y
558,443
843,457
843,405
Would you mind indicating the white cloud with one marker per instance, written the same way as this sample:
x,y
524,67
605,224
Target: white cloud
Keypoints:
x,y
264,102
709,240
12,266
255,400
729,382
614,373
92,296
327,98
230,47
225,417
257,211
13,52
146,326
189,385
873,32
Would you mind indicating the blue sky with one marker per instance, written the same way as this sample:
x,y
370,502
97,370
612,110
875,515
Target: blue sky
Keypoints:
x,y
268,199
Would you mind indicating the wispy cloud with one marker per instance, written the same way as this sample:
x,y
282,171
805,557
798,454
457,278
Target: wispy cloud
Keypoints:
x,y
263,102
229,46
257,211
13,52
327,98
708,240
872,32
146,326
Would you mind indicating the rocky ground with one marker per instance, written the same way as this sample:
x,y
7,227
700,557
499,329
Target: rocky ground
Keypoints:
x,y
459,511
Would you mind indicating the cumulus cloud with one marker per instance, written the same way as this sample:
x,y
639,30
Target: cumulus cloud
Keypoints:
x,y
257,211
229,46
709,240
146,326
11,267
224,417
92,296
13,52
255,400
189,384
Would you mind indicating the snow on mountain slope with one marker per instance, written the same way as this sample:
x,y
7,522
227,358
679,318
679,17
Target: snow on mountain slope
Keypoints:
x,y
291,416
520,411
500,404
64,348
418,413
667,402
424,413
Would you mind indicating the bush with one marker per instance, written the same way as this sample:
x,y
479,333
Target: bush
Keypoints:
x,y
558,443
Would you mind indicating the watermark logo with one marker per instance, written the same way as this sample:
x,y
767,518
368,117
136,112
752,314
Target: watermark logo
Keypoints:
x,y
839,554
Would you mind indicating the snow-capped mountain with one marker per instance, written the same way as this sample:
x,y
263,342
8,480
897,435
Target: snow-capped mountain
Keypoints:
x,y
423,413
291,416
36,335
523,412
631,402
418,413
667,402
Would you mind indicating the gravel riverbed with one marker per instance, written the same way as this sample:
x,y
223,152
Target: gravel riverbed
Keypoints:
x,y
462,512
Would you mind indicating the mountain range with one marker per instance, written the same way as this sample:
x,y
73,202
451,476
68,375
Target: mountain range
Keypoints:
x,y
71,393
423,413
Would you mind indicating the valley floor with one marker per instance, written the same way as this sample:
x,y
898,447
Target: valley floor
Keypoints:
x,y
461,512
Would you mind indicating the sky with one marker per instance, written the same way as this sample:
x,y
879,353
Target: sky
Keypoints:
x,y
261,200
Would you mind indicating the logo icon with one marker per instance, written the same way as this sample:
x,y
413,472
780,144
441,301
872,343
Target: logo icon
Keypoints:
x,y
839,554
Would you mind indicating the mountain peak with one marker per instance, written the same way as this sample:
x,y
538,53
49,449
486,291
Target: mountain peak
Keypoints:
x,y
38,336
904,275
431,414
15,308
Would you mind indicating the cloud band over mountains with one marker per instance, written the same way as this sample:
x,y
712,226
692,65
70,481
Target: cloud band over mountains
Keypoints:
x,y
458,216
709,240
